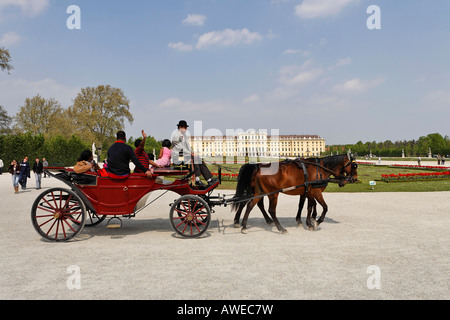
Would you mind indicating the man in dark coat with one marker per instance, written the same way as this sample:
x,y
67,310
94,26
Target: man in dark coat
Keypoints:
x,y
24,173
119,156
38,168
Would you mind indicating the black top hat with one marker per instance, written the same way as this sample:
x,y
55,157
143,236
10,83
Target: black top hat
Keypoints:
x,y
182,123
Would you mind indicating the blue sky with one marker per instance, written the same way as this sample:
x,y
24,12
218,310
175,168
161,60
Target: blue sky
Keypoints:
x,y
299,66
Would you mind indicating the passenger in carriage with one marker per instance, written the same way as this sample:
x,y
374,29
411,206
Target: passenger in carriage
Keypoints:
x,y
86,163
142,155
119,156
165,155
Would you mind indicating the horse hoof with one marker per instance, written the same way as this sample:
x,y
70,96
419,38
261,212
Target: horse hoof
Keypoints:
x,y
244,231
236,225
284,231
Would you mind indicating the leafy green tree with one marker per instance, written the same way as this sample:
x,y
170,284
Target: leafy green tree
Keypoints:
x,y
5,121
39,116
437,143
98,113
5,60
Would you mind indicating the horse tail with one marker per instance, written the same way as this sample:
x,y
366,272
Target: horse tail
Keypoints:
x,y
244,188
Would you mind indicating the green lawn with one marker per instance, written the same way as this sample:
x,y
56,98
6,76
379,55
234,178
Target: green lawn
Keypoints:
x,y
366,173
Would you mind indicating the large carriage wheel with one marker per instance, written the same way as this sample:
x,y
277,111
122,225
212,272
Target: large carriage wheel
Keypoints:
x,y
58,214
190,216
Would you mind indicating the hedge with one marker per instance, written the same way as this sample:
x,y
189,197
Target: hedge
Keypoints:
x,y
57,150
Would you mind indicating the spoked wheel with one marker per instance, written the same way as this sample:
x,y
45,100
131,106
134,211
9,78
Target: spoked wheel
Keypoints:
x,y
190,216
58,214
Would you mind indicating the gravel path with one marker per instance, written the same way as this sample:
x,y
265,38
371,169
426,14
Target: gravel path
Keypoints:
x,y
371,246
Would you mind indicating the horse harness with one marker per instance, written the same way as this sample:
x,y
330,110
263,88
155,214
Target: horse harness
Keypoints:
x,y
318,183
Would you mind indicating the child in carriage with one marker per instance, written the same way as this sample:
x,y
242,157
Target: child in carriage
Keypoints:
x,y
165,154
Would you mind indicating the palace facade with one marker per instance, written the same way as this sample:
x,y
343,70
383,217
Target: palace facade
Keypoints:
x,y
258,144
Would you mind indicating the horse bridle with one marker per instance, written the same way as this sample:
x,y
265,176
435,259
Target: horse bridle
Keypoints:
x,y
354,165
342,176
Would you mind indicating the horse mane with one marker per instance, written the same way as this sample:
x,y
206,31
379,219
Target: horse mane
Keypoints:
x,y
328,162
331,162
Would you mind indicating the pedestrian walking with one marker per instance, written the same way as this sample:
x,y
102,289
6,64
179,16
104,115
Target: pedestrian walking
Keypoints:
x,y
24,173
38,168
1,166
14,170
45,165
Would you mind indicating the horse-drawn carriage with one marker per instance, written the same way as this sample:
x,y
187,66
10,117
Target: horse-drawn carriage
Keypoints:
x,y
60,214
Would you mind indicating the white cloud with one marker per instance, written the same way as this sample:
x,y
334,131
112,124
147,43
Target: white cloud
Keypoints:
x,y
296,51
311,9
28,7
180,46
293,79
223,38
295,75
343,62
10,39
178,105
227,38
354,85
194,20
251,99
357,85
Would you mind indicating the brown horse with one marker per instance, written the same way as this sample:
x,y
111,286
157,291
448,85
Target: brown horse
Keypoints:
x,y
241,204
292,178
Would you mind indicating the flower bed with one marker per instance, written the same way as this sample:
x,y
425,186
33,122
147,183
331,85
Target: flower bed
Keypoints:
x,y
366,163
227,176
423,176
404,166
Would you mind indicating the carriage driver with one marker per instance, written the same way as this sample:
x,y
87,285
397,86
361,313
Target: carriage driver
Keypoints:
x,y
180,145
119,156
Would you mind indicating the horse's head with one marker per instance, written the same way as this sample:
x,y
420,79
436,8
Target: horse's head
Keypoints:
x,y
349,171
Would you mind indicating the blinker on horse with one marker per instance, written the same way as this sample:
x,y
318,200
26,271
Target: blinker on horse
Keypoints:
x,y
301,177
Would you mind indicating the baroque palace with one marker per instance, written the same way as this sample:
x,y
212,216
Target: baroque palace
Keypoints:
x,y
258,144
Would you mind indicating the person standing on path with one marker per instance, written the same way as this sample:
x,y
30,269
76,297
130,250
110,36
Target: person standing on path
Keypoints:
x,y
45,165
14,169
24,173
38,168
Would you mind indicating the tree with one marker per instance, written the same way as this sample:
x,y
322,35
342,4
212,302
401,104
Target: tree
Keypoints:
x,y
39,116
5,121
98,113
5,60
437,143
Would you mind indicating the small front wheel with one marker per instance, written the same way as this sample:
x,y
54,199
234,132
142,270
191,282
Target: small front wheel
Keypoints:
x,y
190,216
58,214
